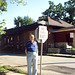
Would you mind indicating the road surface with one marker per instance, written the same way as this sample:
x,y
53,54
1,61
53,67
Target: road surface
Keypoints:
x,y
50,65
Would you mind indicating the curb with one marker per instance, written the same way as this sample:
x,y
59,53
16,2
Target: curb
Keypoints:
x,y
61,55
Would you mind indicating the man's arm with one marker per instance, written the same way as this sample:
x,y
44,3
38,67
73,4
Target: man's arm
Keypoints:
x,y
37,51
26,51
37,48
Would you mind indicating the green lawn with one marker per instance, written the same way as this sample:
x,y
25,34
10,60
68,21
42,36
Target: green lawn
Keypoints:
x,y
73,48
6,68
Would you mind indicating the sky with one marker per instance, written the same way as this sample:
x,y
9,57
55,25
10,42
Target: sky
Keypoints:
x,y
33,9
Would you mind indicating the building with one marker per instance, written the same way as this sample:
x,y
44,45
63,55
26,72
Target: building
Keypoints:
x,y
64,37
58,36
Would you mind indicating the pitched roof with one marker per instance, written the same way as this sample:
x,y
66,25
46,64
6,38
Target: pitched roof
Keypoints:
x,y
49,21
56,22
65,29
21,29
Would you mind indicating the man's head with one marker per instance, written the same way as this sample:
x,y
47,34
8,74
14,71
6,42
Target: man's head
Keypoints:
x,y
31,37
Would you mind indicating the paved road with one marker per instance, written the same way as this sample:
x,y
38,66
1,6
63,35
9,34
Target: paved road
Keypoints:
x,y
50,65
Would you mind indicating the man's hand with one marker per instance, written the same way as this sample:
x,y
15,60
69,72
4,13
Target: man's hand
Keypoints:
x,y
26,51
37,51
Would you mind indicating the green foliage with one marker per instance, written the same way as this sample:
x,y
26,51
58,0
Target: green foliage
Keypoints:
x,y
3,6
18,2
3,71
14,69
50,10
6,68
24,21
59,12
1,27
55,10
73,48
70,10
66,13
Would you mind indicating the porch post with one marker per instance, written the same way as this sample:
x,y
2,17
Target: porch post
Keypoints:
x,y
74,40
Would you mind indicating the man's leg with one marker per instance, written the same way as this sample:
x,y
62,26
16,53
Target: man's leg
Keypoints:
x,y
29,61
35,64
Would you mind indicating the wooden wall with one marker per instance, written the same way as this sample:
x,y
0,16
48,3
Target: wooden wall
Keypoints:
x,y
16,43
63,36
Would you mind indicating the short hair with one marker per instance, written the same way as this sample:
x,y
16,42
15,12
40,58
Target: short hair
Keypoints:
x,y
31,35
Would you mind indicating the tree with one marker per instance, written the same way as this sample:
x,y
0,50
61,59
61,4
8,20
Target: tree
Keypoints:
x,y
50,10
1,27
26,20
55,10
59,11
70,10
3,4
66,13
18,2
3,7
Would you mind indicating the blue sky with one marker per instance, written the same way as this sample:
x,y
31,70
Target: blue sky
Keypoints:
x,y
33,9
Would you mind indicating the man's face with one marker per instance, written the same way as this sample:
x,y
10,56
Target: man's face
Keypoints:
x,y
31,38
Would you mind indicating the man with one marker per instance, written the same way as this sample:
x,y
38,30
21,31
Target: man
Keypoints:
x,y
31,50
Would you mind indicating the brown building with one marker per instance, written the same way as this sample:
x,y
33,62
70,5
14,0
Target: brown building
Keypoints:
x,y
63,37
58,35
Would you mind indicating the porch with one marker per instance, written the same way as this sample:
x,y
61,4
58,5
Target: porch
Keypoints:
x,y
64,38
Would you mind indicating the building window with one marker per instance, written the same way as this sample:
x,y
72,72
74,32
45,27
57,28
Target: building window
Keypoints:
x,y
0,43
17,46
17,38
4,40
11,38
21,38
8,40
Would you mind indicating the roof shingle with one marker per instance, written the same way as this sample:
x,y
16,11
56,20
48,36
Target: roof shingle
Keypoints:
x,y
56,22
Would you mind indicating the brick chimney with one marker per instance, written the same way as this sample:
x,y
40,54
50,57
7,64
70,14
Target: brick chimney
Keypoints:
x,y
5,28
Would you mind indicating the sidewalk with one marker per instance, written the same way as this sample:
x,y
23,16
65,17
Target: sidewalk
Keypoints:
x,y
12,73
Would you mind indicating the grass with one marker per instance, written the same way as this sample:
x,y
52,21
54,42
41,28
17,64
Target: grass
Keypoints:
x,y
14,69
6,68
73,48
3,71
